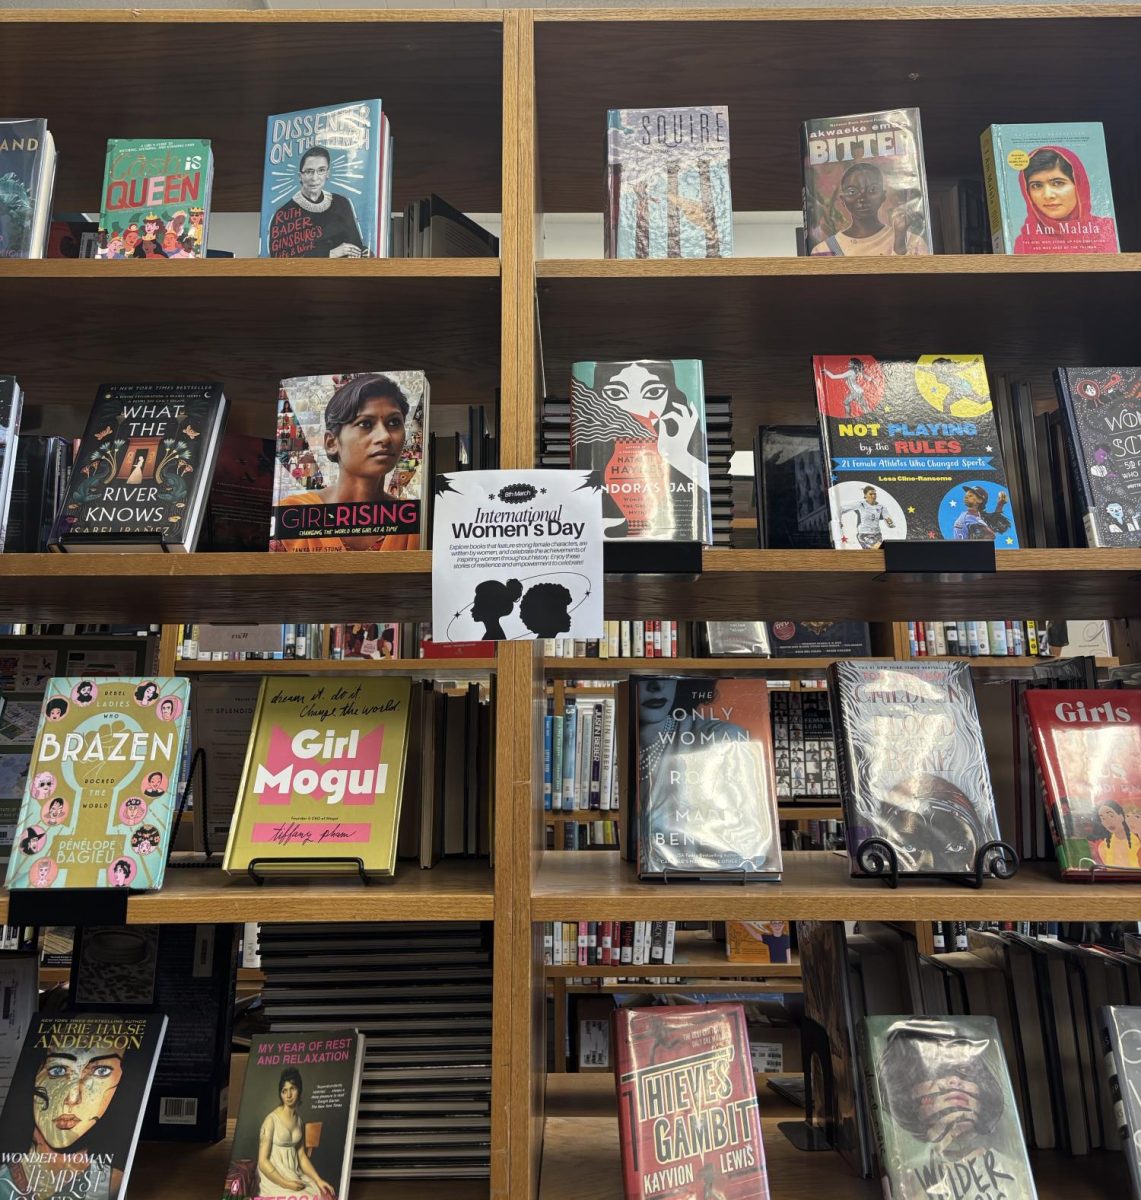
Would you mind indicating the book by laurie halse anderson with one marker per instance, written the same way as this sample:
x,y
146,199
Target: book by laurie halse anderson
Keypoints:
x,y
324,775
912,449
303,1090
156,199
687,1103
99,803
350,467
1102,408
913,765
72,1116
142,472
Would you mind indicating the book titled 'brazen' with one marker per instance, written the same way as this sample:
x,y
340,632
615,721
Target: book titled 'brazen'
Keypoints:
x,y
687,1103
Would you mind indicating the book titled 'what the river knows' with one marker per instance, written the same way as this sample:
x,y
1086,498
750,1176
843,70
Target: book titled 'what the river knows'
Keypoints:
x,y
142,472
323,777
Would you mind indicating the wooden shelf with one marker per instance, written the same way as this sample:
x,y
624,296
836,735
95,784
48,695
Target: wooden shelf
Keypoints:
x,y
433,667
742,664
453,890
581,1159
821,811
86,272
695,955
572,886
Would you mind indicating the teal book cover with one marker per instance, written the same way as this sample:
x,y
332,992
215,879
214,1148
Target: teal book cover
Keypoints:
x,y
667,178
1048,189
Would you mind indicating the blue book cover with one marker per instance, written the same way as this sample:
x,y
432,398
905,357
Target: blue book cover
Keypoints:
x,y
323,185
668,183
1048,189
548,730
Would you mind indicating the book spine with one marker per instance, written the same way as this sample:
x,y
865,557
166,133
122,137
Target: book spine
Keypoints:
x,y
548,734
1032,638
583,943
595,796
569,743
921,637
637,639
952,635
671,938
606,774
996,633
673,639
1109,1057
912,639
648,639
548,943
657,639
627,956
984,639
993,199
624,639
940,639
557,762
972,639
875,1116
658,941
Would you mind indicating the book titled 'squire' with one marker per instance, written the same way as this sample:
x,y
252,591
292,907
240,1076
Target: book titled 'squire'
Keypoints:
x,y
100,800
72,1116
687,1103
324,774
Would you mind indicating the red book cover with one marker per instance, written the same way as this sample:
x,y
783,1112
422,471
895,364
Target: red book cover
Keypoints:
x,y
1088,749
431,649
687,1104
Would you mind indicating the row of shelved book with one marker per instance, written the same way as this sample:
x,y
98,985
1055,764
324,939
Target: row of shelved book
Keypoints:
x,y
608,943
939,639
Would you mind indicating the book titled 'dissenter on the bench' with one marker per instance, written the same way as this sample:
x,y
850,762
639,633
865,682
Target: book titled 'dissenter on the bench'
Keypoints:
x,y
142,472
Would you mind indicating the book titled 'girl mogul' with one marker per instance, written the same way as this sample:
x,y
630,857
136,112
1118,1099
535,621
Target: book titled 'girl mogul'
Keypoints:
x,y
99,801
324,774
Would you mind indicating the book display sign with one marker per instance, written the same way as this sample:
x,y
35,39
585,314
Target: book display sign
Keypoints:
x,y
517,555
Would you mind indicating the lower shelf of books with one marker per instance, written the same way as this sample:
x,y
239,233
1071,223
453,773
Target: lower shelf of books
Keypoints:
x,y
581,1156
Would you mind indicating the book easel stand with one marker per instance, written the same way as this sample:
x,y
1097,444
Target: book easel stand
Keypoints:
x,y
284,867
877,858
740,877
197,763
144,538
805,1135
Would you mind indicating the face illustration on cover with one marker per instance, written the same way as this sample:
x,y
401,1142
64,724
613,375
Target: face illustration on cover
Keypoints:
x,y
861,194
931,825
1059,210
338,235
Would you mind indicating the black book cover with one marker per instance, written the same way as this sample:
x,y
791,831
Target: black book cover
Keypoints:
x,y
32,508
11,403
1102,410
819,639
27,173
143,466
72,1116
792,495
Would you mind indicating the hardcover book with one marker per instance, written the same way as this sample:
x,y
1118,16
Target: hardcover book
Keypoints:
x,y
100,800
1087,745
913,766
1119,1040
27,176
156,199
1102,410
640,426
11,405
72,1116
142,472
667,183
327,179
687,1103
913,453
350,470
758,941
819,639
943,1108
865,186
298,1116
706,793
324,774
792,495
1047,189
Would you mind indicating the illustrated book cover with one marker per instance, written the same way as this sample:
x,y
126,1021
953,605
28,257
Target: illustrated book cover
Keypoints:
x,y
1048,190
350,469
912,451
687,1103
640,426
100,800
1102,413
706,793
865,185
913,765
758,941
156,199
298,1116
324,774
1087,745
11,406
326,186
1120,1042
142,472
819,639
27,177
943,1108
667,183
72,1116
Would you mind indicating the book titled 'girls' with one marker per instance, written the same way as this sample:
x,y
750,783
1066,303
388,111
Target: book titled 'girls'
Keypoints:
x,y
1048,190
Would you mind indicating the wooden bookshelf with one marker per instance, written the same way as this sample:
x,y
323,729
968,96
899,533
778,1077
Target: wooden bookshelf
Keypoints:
x,y
435,668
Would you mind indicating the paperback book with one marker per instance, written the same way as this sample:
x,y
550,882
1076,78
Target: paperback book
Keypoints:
x,y
72,1116
865,185
142,472
1102,410
324,775
943,1108
913,765
11,406
913,452
667,183
640,427
100,800
687,1103
27,177
327,186
350,470
156,198
1047,189
705,789
298,1116
1087,745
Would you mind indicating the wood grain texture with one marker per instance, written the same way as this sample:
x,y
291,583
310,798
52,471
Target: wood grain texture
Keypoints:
x,y
908,12
587,887
219,76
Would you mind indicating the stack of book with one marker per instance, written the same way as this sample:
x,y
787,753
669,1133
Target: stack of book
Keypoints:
x,y
432,228
580,757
